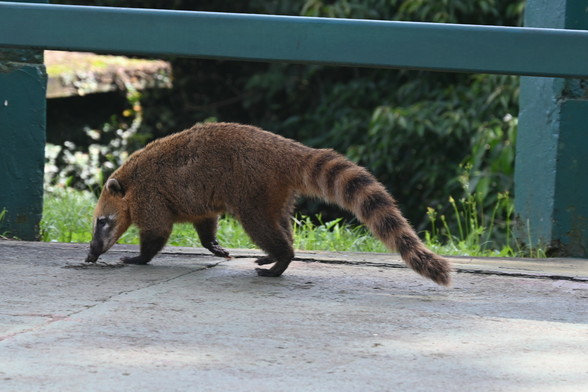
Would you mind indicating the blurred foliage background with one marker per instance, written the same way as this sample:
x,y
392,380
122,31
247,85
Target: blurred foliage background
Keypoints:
x,y
426,135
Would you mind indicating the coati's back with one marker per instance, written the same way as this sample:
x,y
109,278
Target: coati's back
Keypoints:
x,y
197,174
214,164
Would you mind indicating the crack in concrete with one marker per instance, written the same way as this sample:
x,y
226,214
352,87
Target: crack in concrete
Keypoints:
x,y
52,319
458,269
523,275
96,265
152,284
57,318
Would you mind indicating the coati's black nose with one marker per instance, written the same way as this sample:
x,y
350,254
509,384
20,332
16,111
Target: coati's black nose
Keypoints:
x,y
95,252
91,258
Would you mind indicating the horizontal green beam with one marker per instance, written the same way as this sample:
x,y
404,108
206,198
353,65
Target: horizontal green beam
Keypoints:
x,y
347,42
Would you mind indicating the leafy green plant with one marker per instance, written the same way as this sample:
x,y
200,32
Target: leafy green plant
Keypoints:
x,y
87,167
473,235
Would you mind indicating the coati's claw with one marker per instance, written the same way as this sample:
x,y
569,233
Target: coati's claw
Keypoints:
x,y
264,260
219,251
138,260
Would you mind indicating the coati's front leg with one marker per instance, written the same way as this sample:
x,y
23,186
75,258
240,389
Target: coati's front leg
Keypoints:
x,y
206,229
151,243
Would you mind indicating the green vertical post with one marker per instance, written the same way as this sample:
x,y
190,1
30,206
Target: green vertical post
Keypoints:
x,y
23,84
551,172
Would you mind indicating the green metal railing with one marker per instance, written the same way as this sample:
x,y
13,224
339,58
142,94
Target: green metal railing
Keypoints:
x,y
558,51
366,43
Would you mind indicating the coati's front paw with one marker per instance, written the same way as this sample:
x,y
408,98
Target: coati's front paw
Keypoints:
x,y
264,260
218,250
140,260
267,272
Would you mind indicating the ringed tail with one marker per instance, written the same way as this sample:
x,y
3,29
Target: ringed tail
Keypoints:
x,y
330,176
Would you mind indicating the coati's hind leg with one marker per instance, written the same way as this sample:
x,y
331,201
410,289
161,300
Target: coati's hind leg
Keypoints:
x,y
272,237
287,226
151,243
206,229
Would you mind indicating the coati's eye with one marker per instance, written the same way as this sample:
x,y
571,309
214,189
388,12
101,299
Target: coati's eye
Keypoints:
x,y
102,221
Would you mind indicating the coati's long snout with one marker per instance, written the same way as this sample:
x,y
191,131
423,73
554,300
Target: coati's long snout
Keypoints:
x,y
102,239
110,220
198,174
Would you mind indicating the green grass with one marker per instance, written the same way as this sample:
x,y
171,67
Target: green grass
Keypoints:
x,y
67,217
2,215
334,236
477,234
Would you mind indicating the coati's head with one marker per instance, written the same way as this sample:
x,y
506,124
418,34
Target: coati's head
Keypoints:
x,y
111,219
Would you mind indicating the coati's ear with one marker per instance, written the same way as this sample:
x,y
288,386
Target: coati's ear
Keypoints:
x,y
114,187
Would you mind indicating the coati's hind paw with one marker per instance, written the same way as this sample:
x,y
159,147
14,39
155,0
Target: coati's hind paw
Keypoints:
x,y
139,260
264,260
267,272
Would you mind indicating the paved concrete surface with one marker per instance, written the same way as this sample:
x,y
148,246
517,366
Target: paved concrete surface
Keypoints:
x,y
351,322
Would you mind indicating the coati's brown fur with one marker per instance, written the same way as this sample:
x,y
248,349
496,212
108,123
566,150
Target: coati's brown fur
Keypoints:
x,y
202,172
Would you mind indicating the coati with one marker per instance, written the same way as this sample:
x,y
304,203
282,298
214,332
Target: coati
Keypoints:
x,y
207,170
